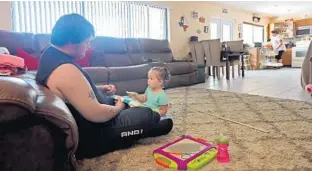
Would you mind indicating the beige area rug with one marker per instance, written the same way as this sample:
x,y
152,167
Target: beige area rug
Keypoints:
x,y
288,145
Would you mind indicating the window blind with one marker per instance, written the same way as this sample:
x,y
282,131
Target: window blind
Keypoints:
x,y
123,19
40,16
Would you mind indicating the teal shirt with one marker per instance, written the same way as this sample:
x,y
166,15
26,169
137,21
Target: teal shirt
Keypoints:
x,y
154,101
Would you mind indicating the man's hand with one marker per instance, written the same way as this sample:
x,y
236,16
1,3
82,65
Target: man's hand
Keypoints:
x,y
119,103
110,89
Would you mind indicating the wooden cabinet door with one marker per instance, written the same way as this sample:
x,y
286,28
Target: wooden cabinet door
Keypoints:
x,y
309,22
286,57
299,23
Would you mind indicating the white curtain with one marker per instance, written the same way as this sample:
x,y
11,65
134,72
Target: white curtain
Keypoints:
x,y
110,18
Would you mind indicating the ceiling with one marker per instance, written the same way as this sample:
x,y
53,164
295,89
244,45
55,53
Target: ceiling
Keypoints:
x,y
274,8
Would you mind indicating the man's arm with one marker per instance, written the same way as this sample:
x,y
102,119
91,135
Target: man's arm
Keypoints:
x,y
72,84
109,89
101,88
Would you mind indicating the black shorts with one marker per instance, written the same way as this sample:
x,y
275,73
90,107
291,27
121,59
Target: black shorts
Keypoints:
x,y
121,132
279,56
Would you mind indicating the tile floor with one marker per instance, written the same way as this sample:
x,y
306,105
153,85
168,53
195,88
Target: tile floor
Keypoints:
x,y
280,83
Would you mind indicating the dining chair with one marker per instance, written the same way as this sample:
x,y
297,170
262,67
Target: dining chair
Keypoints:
x,y
212,49
199,56
236,45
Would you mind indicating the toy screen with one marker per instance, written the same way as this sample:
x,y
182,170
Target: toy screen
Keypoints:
x,y
184,149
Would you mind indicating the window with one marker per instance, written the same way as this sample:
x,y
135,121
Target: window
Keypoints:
x,y
110,18
214,30
221,29
252,34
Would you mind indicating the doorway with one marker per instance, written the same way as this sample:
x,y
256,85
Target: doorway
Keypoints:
x,y
222,29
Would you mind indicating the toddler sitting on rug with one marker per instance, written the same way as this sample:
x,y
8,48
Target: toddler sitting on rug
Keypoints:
x,y
154,96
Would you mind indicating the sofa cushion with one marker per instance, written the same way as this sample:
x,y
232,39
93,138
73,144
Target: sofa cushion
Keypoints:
x,y
110,52
137,58
117,60
179,68
182,80
159,57
31,61
128,73
133,45
133,48
85,61
100,75
101,59
156,49
138,86
97,58
42,41
13,40
109,45
155,46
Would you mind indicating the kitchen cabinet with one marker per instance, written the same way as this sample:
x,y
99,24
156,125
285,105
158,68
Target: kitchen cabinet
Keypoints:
x,y
309,21
254,57
286,57
300,23
286,29
303,22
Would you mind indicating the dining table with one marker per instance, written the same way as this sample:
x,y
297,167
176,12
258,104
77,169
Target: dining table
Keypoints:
x,y
228,56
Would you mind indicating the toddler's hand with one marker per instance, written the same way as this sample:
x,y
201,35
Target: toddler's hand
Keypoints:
x,y
132,94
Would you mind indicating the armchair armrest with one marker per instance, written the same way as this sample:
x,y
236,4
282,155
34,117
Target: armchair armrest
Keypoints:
x,y
28,98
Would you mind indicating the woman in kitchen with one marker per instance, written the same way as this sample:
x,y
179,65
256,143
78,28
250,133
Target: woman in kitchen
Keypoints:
x,y
278,45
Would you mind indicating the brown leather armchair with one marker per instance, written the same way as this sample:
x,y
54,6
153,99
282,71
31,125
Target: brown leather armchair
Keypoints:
x,y
37,131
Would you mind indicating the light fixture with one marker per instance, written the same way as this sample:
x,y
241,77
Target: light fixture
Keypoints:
x,y
256,19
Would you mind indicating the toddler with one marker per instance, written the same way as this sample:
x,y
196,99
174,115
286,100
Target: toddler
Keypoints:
x,y
154,96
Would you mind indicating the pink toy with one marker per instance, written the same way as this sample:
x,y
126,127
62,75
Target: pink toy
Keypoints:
x,y
185,153
308,88
223,153
222,145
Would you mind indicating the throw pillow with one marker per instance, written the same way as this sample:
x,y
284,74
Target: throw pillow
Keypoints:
x,y
85,61
30,61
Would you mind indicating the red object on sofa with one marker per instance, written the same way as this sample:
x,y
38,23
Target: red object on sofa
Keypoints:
x,y
85,61
30,61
